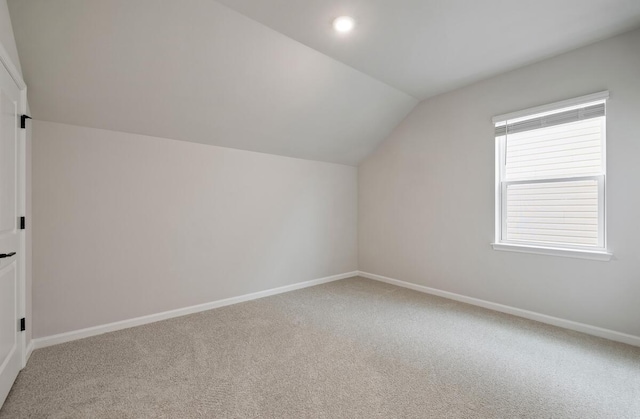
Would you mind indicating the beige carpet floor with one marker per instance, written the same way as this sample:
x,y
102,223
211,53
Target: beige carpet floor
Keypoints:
x,y
348,349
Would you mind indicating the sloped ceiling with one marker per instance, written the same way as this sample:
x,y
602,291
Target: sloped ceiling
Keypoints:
x,y
198,71
271,75
426,47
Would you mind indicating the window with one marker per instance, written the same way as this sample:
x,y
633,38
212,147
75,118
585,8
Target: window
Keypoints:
x,y
551,178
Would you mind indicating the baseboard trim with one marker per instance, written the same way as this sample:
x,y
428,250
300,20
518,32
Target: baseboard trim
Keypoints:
x,y
531,315
30,348
152,318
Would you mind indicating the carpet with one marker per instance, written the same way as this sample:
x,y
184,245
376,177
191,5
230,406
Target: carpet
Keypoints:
x,y
354,348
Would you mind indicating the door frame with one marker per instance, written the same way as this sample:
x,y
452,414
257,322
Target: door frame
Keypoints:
x,y
8,64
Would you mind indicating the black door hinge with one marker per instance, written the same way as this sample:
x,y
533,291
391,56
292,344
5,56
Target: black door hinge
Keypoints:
x,y
23,223
23,324
23,121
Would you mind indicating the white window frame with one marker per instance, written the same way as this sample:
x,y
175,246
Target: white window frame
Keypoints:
x,y
583,252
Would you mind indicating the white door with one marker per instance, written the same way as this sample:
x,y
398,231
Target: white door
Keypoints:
x,y
10,237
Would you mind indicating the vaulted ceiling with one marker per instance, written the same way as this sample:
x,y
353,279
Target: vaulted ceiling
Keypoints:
x,y
270,75
426,47
196,70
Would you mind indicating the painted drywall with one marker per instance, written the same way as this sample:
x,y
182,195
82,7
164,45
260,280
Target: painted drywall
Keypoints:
x,y
8,42
213,75
426,47
6,35
426,196
128,225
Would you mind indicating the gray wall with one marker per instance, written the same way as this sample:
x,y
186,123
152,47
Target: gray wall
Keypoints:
x,y
6,35
127,225
426,196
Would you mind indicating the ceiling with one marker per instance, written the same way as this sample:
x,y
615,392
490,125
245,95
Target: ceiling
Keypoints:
x,y
426,47
198,71
271,75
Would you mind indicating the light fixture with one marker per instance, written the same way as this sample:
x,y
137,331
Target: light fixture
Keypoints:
x,y
344,24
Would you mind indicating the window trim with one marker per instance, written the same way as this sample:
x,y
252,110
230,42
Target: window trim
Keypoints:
x,y
583,252
554,251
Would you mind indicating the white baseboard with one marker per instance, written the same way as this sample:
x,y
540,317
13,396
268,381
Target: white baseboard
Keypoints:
x,y
138,321
543,318
30,348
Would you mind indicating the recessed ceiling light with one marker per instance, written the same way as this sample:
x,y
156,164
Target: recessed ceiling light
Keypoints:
x,y
344,24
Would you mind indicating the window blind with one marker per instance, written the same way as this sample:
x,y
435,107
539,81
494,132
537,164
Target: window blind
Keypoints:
x,y
551,171
593,111
567,150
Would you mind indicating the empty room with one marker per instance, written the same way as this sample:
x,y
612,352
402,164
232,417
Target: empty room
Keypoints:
x,y
320,209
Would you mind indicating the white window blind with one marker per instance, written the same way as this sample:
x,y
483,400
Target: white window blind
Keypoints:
x,y
551,178
572,149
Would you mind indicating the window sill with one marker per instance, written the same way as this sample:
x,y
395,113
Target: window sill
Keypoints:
x,y
554,251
